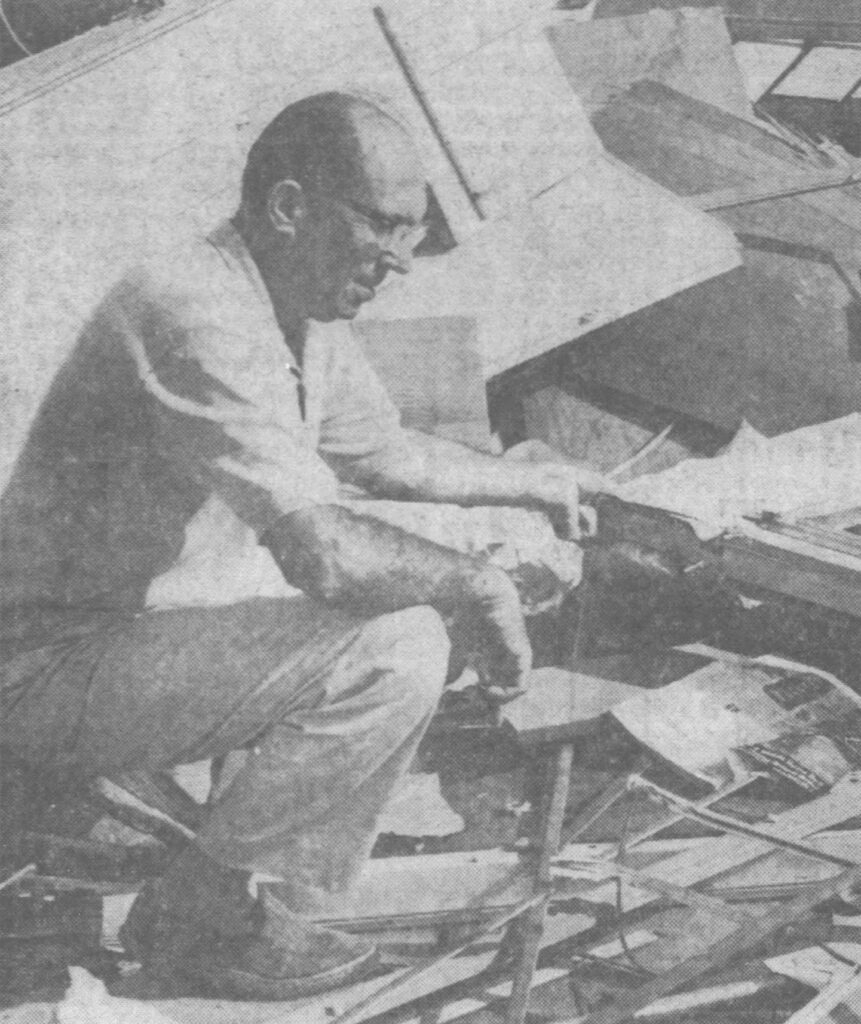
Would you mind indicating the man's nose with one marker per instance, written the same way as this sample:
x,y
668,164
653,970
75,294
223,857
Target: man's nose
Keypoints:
x,y
400,259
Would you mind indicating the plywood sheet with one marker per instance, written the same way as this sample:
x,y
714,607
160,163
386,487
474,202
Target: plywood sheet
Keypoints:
x,y
433,372
689,50
773,343
598,246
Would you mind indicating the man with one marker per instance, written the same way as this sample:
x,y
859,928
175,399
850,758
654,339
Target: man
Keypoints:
x,y
195,441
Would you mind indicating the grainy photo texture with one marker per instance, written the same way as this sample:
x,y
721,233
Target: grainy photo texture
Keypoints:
x,y
430,531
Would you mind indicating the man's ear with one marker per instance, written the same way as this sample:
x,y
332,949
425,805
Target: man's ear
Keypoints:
x,y
285,206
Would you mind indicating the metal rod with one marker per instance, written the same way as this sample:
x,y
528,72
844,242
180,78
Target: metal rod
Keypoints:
x,y
533,923
422,100
731,198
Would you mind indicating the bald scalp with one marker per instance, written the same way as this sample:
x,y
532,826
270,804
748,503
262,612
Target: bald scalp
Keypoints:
x,y
319,142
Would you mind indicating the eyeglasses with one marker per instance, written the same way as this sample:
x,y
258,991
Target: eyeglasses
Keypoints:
x,y
389,232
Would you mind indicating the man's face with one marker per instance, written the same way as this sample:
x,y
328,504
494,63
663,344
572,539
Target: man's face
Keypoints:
x,y
368,225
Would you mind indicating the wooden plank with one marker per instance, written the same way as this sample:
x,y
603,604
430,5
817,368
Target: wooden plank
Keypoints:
x,y
458,886
703,862
816,536
741,939
819,1008
688,50
796,573
649,110
776,29
740,346
559,705
530,928
818,21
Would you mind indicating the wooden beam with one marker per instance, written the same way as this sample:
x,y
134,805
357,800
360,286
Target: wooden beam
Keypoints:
x,y
780,30
793,570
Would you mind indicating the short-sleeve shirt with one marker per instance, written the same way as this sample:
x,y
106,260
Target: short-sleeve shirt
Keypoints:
x,y
177,432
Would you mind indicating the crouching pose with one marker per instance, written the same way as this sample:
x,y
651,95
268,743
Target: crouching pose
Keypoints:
x,y
181,580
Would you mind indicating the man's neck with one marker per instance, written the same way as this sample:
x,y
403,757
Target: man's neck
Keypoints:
x,y
269,261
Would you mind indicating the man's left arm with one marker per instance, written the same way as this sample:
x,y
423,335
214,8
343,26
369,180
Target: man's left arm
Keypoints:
x,y
364,443
427,468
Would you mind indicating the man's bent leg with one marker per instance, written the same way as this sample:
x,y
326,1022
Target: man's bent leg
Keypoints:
x,y
333,705
304,807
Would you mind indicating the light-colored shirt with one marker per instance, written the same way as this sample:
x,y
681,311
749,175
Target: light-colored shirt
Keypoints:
x,y
174,436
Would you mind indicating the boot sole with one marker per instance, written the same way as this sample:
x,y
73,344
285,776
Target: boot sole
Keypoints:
x,y
231,981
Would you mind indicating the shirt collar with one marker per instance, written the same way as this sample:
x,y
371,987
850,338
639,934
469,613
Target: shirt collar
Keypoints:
x,y
229,245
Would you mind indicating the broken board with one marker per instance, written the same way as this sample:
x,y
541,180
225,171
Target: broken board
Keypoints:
x,y
561,706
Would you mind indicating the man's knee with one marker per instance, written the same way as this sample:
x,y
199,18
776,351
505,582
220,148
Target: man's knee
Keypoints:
x,y
419,639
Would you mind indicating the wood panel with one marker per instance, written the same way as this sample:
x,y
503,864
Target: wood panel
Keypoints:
x,y
776,342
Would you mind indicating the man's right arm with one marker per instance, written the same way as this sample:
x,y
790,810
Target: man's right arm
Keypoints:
x,y
371,568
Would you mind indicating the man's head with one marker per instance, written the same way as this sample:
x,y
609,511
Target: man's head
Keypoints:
x,y
333,198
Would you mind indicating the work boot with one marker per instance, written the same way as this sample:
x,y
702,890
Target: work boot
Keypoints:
x,y
195,899
200,924
289,958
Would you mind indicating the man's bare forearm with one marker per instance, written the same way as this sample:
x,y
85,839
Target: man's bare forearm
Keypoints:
x,y
436,470
371,567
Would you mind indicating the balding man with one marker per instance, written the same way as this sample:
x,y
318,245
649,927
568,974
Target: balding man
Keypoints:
x,y
184,580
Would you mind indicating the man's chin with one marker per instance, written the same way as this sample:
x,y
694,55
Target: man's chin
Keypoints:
x,y
348,303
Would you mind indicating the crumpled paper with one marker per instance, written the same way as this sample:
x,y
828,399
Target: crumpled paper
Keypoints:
x,y
812,471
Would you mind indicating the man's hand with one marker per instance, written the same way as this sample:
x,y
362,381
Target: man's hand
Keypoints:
x,y
558,491
504,659
434,469
370,568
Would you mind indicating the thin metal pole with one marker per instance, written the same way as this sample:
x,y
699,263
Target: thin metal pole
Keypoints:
x,y
533,921
422,100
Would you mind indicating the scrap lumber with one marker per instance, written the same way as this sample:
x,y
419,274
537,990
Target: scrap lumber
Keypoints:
x,y
743,938
819,1008
729,151
689,50
812,21
698,863
560,706
775,343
